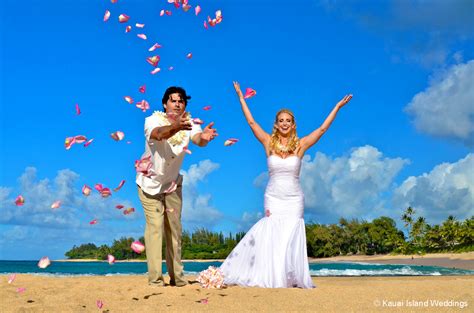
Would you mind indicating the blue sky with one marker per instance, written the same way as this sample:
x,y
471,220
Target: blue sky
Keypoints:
x,y
406,138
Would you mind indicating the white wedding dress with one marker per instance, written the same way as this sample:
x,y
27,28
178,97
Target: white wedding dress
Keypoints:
x,y
273,252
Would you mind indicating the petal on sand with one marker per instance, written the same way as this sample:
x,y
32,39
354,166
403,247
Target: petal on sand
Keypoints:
x,y
123,18
142,36
106,15
117,136
153,60
20,289
19,200
128,99
110,259
44,262
88,142
99,304
119,186
86,190
249,93
56,204
137,247
156,70
197,9
142,89
154,47
11,278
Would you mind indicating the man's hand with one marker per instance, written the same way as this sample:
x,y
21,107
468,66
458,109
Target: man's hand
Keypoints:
x,y
181,121
209,133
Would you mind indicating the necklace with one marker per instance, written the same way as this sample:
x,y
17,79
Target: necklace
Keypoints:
x,y
281,148
178,138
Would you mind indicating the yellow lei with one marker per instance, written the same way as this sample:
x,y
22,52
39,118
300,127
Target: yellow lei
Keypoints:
x,y
178,138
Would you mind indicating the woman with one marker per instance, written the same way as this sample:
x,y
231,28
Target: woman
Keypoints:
x,y
273,252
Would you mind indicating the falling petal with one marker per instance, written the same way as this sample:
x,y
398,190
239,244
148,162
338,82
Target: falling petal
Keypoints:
x,y
172,187
153,60
176,4
168,12
128,29
267,213
110,259
186,149
186,7
144,105
117,136
119,206
207,108
218,16
142,36
189,55
144,166
230,142
162,12
142,89
249,93
106,15
86,190
128,99
139,25
119,186
154,47
205,25
156,70
105,192
78,110
20,289
128,211
19,200
113,1
44,262
123,18
98,187
197,9
11,278
69,142
99,304
80,139
129,142
56,205
137,246
88,142
212,22
93,222
198,121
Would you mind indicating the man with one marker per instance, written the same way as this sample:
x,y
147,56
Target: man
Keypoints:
x,y
160,188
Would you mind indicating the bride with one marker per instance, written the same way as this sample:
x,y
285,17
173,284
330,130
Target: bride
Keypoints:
x,y
273,252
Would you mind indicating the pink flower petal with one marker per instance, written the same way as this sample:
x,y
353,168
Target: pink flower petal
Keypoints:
x,y
86,190
78,110
44,262
176,4
186,149
205,25
172,187
119,186
88,142
128,211
117,136
128,99
113,1
110,259
128,29
267,213
98,187
230,142
189,55
106,15
123,18
142,36
80,139
186,7
139,25
168,12
93,222
144,105
20,289
99,304
154,47
69,142
19,200
153,60
11,278
197,9
144,166
105,192
249,92
162,12
198,121
56,205
137,247
207,108
119,206
204,301
156,70
142,89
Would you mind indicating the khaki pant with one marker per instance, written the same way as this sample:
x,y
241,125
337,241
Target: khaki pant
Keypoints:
x,y
163,211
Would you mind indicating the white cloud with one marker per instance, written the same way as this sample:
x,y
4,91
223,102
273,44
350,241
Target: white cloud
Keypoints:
x,y
448,189
446,107
197,211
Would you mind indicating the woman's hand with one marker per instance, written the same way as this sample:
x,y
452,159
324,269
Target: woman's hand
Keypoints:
x,y
344,100
237,90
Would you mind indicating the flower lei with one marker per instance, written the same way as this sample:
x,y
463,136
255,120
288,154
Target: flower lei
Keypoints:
x,y
178,138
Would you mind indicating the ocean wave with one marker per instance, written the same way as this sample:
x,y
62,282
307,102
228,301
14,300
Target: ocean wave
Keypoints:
x,y
404,271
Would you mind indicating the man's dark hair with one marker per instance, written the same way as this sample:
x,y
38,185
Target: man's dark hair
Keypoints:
x,y
172,90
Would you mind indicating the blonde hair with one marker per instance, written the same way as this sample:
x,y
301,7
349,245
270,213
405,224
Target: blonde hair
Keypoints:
x,y
293,139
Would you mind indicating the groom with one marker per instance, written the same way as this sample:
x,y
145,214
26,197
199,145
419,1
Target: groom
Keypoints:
x,y
167,135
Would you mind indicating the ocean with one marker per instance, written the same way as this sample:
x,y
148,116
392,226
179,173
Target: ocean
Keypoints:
x,y
59,268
